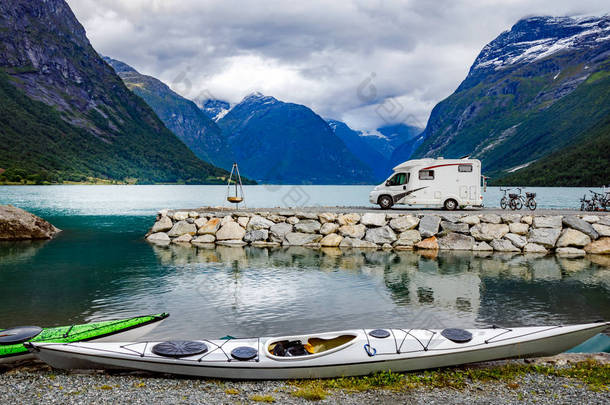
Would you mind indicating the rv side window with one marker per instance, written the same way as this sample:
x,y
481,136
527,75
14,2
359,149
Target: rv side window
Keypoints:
x,y
399,179
465,168
426,174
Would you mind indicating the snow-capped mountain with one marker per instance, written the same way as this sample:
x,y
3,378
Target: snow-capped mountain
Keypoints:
x,y
215,109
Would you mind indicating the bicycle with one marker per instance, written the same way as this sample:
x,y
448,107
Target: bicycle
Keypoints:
x,y
517,201
504,199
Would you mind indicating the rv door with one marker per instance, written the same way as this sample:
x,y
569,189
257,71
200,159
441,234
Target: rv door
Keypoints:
x,y
397,185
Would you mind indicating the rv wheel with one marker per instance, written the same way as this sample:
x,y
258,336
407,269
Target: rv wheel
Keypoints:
x,y
385,202
450,205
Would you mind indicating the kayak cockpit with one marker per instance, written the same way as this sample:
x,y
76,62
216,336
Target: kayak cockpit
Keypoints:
x,y
305,347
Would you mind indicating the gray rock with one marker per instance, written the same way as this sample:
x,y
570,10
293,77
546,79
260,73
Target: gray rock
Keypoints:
x,y
243,221
519,228
353,231
503,245
357,243
257,222
300,239
193,214
182,227
331,240
604,220
511,218
488,231
570,252
162,213
456,241
328,228
527,219
277,232
482,247
534,248
572,221
450,217
159,237
491,218
308,226
292,220
404,223
590,218
517,240
602,230
546,237
572,237
17,224
454,227
348,219
470,220
276,218
327,217
162,225
204,239
380,235
230,231
373,219
306,215
261,243
256,235
190,220
180,215
408,238
428,225
186,238
231,242
199,222
551,221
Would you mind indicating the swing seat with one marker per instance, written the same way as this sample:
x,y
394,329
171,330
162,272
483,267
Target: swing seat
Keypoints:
x,y
235,200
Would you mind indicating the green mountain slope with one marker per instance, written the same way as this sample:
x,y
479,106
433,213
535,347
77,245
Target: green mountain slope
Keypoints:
x,y
180,115
65,114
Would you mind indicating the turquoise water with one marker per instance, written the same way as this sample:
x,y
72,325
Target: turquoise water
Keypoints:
x,y
100,267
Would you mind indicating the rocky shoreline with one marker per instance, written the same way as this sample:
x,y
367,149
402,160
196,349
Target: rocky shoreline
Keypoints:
x,y
17,224
573,235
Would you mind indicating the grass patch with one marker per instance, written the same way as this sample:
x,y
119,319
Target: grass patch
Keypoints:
x,y
262,398
231,391
314,390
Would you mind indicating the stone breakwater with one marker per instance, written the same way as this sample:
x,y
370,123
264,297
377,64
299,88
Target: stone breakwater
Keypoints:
x,y
569,235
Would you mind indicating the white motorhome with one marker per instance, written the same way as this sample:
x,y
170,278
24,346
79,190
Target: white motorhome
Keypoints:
x,y
450,183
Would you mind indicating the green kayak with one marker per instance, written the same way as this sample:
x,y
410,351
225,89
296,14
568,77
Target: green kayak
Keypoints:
x,y
11,340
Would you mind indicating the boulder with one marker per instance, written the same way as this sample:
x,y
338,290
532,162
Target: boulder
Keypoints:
x,y
572,237
348,219
162,225
180,215
590,218
404,223
243,221
17,224
331,240
602,230
159,237
482,247
491,218
488,231
470,220
199,222
231,243
517,240
428,225
551,221
306,215
503,245
456,241
276,219
193,214
373,219
408,238
380,235
261,244
429,243
277,232
230,231
546,237
511,218
300,239
386,246
292,220
210,227
572,221
204,239
353,231
604,220
327,217
257,222
527,219
534,248
600,246
186,238
450,217
519,228
162,213
447,227
328,228
357,243
308,226
570,252
182,227
256,235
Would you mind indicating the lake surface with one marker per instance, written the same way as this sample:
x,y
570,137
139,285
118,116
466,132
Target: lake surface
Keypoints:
x,y
100,267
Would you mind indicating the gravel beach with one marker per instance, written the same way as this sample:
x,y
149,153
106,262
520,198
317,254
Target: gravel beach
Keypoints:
x,y
36,384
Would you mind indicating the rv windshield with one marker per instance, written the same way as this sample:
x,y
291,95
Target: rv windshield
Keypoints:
x,y
398,179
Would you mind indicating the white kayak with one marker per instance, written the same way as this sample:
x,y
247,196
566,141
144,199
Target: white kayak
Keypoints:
x,y
330,354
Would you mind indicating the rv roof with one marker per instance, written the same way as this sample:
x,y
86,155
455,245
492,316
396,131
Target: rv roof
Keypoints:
x,y
425,162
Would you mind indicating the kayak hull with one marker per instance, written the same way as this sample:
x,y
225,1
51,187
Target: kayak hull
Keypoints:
x,y
108,331
404,350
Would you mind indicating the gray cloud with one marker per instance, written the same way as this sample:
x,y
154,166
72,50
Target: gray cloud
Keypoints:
x,y
318,53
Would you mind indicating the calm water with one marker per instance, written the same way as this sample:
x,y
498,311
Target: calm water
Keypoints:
x,y
100,267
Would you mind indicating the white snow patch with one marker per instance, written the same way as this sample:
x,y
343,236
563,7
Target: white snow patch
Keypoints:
x,y
514,169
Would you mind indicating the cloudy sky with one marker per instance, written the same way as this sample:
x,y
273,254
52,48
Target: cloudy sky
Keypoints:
x,y
364,62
